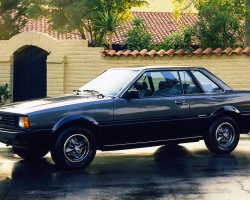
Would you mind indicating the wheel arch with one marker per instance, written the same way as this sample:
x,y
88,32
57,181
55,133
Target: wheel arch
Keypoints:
x,y
229,111
82,121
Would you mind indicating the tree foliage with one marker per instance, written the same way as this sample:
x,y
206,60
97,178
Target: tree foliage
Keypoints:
x,y
181,39
106,23
12,18
220,21
247,31
4,93
220,26
14,14
138,38
97,18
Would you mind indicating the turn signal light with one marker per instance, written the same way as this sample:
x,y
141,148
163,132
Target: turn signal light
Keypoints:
x,y
24,122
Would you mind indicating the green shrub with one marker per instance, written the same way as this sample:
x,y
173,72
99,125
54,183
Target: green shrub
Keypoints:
x,y
4,93
181,39
138,38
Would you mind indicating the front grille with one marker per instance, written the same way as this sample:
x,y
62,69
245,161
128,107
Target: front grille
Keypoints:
x,y
8,119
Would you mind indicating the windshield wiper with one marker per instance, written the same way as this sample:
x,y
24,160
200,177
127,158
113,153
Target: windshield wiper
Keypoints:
x,y
94,92
77,92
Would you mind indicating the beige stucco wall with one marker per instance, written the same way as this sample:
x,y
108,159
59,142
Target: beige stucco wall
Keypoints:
x,y
70,64
232,69
55,61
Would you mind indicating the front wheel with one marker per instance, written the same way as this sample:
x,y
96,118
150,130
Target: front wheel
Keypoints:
x,y
223,136
75,147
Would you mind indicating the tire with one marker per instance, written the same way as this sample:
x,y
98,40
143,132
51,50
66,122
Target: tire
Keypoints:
x,y
223,136
74,147
29,154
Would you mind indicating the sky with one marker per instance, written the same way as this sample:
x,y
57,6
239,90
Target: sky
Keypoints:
x,y
157,6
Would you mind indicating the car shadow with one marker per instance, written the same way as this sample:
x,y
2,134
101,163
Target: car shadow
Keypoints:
x,y
128,174
170,160
179,160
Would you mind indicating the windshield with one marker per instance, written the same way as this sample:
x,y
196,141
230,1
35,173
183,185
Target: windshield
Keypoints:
x,y
110,82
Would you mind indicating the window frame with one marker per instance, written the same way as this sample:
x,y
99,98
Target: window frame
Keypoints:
x,y
151,82
201,86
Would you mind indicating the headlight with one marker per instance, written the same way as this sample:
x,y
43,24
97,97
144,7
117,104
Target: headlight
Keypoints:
x,y
24,122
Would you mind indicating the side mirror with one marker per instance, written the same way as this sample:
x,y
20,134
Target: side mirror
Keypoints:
x,y
132,94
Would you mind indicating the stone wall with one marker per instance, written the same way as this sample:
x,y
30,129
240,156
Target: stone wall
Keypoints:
x,y
70,64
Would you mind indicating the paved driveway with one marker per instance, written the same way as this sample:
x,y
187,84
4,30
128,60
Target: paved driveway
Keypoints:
x,y
187,171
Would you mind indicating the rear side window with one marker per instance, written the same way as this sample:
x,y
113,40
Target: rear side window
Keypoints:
x,y
207,85
188,84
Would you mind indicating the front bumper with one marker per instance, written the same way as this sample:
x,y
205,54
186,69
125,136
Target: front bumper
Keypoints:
x,y
38,139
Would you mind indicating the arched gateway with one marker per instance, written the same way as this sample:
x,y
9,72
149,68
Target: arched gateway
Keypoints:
x,y
32,63
30,74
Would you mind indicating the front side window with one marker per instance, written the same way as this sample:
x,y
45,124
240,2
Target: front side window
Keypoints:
x,y
158,83
207,85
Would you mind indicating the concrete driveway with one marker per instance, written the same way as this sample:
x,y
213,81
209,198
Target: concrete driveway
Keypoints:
x,y
187,171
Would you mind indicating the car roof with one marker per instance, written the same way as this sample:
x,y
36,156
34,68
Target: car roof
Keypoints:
x,y
181,67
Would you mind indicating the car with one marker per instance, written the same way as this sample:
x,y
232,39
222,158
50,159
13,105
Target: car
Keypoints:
x,y
126,108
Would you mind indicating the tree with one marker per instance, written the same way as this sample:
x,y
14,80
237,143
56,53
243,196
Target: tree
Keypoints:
x,y
181,39
12,18
219,26
106,23
138,38
220,21
14,14
247,33
89,17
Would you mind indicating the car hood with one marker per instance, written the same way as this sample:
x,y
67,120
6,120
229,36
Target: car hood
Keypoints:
x,y
48,103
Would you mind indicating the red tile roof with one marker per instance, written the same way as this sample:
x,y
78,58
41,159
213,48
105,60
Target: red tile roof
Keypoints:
x,y
42,25
181,52
159,24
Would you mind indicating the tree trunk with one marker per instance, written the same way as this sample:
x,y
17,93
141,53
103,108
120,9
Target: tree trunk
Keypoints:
x,y
247,33
99,42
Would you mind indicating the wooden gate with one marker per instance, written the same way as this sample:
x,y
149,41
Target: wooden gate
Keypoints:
x,y
30,74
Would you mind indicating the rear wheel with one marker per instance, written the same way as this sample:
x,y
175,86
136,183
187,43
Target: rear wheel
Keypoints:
x,y
75,147
223,136
29,154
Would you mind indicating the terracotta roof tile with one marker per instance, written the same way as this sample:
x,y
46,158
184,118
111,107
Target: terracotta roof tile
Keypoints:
x,y
143,52
238,51
118,53
135,53
188,52
161,52
42,25
126,53
228,51
198,51
247,50
179,52
208,51
170,52
160,24
152,53
217,51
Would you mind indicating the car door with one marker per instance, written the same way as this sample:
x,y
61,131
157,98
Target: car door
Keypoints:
x,y
162,115
204,97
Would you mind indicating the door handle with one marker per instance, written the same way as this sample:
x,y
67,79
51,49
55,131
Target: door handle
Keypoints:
x,y
181,103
